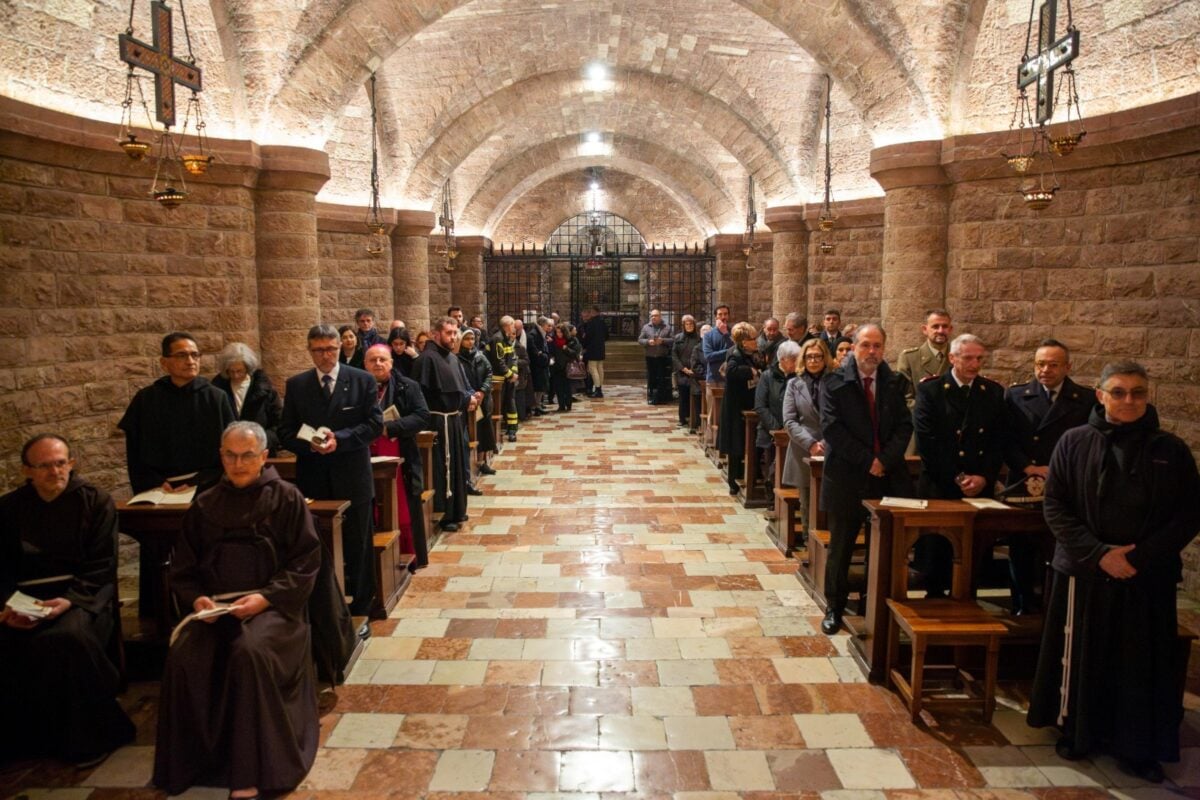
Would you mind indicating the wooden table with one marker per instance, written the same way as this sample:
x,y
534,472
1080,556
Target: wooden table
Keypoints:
x,y
816,516
869,645
155,528
383,472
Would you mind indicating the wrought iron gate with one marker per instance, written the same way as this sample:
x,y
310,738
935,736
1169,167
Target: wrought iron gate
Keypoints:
x,y
518,284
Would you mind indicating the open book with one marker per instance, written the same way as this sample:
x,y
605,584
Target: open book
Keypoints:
x,y
317,436
157,497
27,606
903,502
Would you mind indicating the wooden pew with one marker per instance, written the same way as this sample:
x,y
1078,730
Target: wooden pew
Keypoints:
x,y
473,444
711,448
752,493
497,412
425,440
695,414
702,423
783,529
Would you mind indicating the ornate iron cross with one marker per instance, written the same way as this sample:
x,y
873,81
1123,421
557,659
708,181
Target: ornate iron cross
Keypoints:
x,y
160,59
1051,55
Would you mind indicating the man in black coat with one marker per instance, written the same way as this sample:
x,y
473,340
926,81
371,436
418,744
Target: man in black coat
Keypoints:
x,y
595,335
866,425
539,363
339,401
961,424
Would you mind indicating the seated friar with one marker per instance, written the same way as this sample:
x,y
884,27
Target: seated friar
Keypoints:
x,y
238,702
58,682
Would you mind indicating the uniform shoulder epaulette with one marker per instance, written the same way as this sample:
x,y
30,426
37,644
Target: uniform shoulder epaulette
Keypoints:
x,y
995,383
910,350
928,378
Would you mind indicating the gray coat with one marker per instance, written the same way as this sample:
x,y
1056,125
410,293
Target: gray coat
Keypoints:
x,y
802,420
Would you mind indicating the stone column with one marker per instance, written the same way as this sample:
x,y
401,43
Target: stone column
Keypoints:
x,y
731,287
410,267
289,284
789,260
468,284
916,212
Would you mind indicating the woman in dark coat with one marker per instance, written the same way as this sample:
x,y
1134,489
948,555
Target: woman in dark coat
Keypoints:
x,y
479,375
741,379
250,392
686,343
403,352
351,352
768,404
564,348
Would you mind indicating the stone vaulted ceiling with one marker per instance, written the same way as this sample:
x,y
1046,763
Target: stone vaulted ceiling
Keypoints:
x,y
696,95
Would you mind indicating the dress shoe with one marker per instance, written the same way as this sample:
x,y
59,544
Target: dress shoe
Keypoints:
x,y
598,394
1148,770
512,436
449,527
87,762
832,622
473,492
1065,748
484,469
364,631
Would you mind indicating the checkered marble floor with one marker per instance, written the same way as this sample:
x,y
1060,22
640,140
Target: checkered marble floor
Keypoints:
x,y
612,624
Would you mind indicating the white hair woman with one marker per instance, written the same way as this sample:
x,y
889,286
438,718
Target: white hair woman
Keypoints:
x,y
250,393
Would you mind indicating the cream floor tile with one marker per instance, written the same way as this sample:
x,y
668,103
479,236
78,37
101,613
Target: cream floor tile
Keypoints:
x,y
624,599
739,770
663,701
621,628
546,650
363,670
403,672
126,767
502,585
540,570
571,673
721,556
732,626
557,584
697,672
463,771
847,670
712,599
502,571
667,628
595,771
389,648
496,649
699,733
786,626
418,628
458,673
822,731
805,670
632,733
365,730
1013,777
704,648
573,629
651,649
334,770
870,769
704,569
603,585
783,582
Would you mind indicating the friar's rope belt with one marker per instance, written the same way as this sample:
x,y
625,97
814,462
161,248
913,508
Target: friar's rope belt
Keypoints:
x,y
446,415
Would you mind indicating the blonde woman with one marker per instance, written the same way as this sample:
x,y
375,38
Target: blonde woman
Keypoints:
x,y
802,417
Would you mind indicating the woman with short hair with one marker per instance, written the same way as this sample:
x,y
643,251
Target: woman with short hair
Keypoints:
x,y
250,392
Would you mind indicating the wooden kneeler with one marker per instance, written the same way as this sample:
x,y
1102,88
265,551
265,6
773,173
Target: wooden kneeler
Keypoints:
x,y
425,440
391,573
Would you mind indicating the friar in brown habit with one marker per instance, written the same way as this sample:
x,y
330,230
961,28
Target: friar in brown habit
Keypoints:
x,y
238,696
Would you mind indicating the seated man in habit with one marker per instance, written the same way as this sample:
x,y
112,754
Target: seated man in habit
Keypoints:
x,y
58,544
238,696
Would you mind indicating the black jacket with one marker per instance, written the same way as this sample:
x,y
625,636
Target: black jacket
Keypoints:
x,y
768,404
1037,426
406,395
849,438
959,431
682,352
739,397
1072,500
595,335
262,405
539,353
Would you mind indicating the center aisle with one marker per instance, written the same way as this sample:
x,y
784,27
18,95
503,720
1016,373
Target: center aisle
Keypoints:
x,y
611,621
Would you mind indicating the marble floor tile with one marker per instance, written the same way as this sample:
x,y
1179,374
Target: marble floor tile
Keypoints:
x,y
365,730
833,730
597,771
870,769
739,770
463,771
699,733
663,701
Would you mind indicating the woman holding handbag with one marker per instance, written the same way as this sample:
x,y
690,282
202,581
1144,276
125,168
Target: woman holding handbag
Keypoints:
x,y
566,364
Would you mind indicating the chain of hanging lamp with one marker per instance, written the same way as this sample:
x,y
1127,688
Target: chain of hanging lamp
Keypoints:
x,y
826,220
376,230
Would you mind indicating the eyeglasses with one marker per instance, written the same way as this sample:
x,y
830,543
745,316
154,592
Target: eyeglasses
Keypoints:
x,y
185,355
47,466
240,458
813,357
1136,395
323,350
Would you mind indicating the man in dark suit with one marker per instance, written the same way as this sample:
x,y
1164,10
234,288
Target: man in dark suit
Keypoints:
x,y
595,336
539,363
962,425
866,426
339,401
1040,412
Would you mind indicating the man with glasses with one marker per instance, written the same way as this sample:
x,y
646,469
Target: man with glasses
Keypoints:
x,y
1121,502
337,401
58,544
173,426
238,704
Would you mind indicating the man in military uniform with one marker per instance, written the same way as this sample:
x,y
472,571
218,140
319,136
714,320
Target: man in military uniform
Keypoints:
x,y
1040,412
503,356
961,424
930,358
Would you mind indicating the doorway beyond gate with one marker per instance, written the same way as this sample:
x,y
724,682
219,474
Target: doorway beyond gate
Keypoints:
x,y
600,259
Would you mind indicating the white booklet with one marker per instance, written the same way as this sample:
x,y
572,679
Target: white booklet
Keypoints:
x,y
986,502
220,609
904,502
157,497
317,436
390,414
27,606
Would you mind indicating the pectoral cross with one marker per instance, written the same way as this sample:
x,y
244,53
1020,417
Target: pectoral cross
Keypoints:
x,y
160,59
1051,55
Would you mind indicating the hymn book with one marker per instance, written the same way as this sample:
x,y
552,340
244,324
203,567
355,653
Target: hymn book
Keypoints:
x,y
390,414
903,502
317,436
157,497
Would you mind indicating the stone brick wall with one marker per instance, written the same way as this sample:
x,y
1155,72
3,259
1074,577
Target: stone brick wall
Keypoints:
x,y
847,279
352,278
93,273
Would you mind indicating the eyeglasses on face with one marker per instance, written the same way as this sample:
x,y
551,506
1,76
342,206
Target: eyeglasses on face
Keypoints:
x,y
240,458
57,464
323,350
1136,395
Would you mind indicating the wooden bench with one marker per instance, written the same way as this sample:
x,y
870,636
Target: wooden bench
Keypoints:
x,y
752,493
391,572
701,425
784,529
497,411
812,568
425,440
716,393
473,446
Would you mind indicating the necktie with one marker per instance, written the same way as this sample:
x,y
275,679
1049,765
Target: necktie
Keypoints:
x,y
870,391
327,384
1051,393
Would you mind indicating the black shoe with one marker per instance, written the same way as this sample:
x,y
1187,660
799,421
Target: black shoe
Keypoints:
x,y
599,394
449,527
473,492
537,412
364,631
1065,748
484,469
87,762
832,622
1148,770
512,436
692,431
